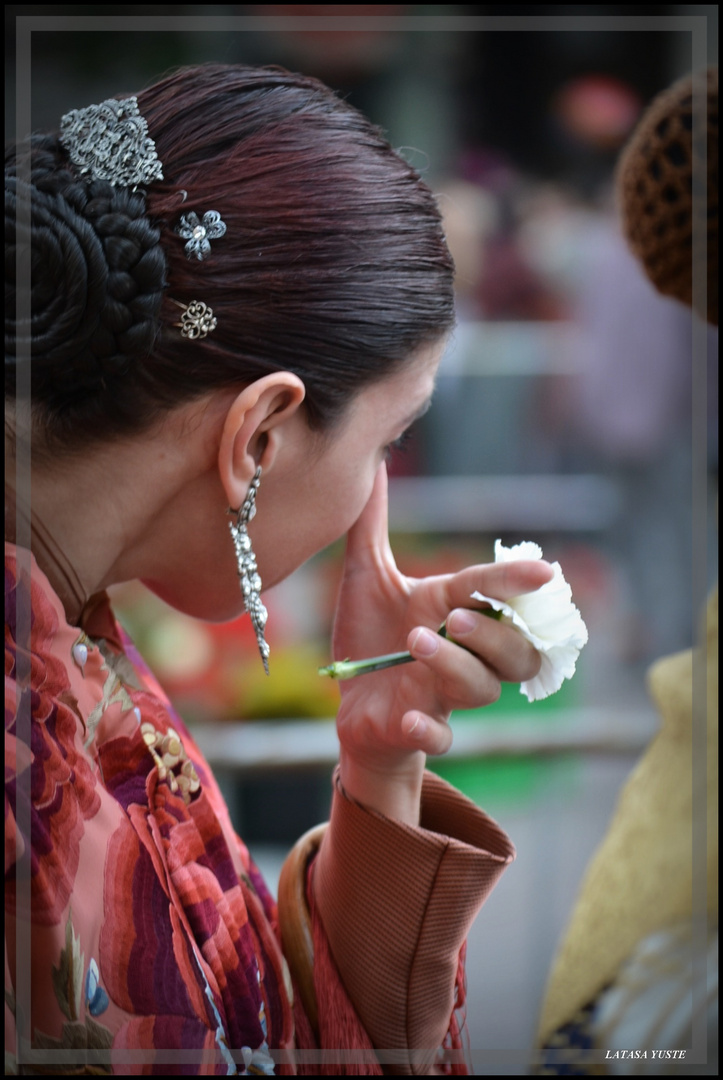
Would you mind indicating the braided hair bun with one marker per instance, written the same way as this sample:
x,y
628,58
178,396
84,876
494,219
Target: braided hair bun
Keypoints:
x,y
655,190
97,275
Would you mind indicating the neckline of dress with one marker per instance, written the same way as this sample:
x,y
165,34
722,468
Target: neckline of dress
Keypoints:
x,y
98,621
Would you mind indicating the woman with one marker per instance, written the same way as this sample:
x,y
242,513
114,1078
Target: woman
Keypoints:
x,y
240,296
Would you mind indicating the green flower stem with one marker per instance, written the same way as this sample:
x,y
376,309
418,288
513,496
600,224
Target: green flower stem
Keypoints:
x,y
349,669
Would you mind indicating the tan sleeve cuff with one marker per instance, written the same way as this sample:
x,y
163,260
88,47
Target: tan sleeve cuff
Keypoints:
x,y
397,903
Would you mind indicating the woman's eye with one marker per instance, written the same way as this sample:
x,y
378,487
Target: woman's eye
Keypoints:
x,y
399,445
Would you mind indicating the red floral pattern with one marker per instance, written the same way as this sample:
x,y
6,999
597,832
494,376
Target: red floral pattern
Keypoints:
x,y
61,786
171,923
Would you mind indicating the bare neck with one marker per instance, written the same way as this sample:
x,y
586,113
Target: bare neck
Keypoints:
x,y
96,519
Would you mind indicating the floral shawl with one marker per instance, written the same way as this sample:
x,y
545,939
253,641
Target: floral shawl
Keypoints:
x,y
149,924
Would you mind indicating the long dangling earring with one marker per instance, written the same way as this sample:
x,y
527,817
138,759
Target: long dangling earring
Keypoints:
x,y
248,573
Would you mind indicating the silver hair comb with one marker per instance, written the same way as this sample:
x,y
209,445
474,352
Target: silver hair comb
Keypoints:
x,y
110,142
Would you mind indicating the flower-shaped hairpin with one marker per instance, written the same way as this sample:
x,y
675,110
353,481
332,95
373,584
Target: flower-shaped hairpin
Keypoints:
x,y
197,320
198,232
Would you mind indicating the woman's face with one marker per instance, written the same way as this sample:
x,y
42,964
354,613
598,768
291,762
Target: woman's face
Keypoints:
x,y
319,485
313,492
315,489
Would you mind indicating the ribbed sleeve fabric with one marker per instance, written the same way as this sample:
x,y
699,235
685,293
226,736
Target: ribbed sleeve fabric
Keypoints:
x,y
397,903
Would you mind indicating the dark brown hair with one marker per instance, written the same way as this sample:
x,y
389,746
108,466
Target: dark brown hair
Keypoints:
x,y
333,266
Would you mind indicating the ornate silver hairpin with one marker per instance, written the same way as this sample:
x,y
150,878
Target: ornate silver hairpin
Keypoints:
x,y
198,233
110,142
197,320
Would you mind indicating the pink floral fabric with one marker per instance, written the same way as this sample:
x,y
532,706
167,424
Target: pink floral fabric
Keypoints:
x,y
154,925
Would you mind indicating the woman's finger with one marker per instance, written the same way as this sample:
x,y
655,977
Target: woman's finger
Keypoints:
x,y
462,679
476,656
368,539
499,646
423,732
500,580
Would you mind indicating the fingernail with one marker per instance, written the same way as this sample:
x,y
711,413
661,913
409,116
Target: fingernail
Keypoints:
x,y
417,728
461,621
424,643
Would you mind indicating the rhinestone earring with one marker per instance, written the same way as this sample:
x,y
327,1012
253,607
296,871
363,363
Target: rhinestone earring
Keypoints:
x,y
248,574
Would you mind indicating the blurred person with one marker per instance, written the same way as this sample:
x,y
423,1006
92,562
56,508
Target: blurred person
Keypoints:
x,y
636,972
494,283
470,214
590,117
508,286
626,412
630,417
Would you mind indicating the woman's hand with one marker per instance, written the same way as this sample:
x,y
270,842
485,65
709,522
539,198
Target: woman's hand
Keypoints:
x,y
389,720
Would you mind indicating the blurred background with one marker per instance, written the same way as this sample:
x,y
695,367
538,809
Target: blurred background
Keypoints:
x,y
563,415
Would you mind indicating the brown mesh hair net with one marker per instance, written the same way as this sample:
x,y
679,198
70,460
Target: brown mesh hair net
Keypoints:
x,y
655,193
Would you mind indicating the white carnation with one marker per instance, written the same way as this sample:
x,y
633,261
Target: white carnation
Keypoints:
x,y
547,618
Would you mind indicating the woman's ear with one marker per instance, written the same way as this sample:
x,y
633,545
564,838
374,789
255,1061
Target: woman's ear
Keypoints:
x,y
253,430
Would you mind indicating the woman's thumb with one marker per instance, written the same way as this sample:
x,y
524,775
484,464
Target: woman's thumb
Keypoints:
x,y
368,538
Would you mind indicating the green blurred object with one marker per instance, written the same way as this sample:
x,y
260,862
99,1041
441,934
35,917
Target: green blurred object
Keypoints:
x,y
493,782
511,700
